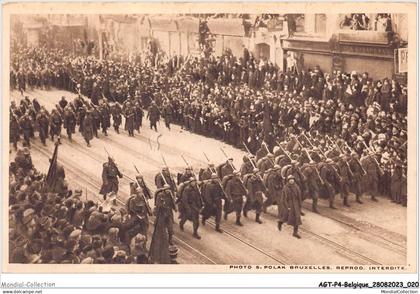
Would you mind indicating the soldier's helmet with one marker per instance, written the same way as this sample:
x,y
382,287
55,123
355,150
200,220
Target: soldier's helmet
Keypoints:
x,y
255,170
214,176
139,177
25,151
294,162
329,160
166,186
276,166
312,161
290,177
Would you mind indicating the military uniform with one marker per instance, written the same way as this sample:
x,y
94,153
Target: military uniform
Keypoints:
x,y
42,122
105,117
110,175
274,183
358,174
345,174
69,122
87,127
309,171
153,115
116,117
25,123
14,131
224,169
164,207
291,205
331,178
212,196
129,114
55,125
190,206
254,200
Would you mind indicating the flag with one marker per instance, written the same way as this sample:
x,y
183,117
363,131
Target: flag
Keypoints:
x,y
159,246
52,170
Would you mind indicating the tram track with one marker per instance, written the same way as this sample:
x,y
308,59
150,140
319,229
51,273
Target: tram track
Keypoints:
x,y
127,179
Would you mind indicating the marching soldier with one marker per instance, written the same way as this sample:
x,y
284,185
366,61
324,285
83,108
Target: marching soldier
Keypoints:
x,y
43,121
225,168
374,172
331,179
116,116
167,114
55,125
164,207
184,177
138,116
165,177
273,181
212,195
69,122
255,186
153,115
265,163
235,190
309,171
96,121
248,165
358,173
291,202
205,173
299,178
129,114
86,127
138,220
190,205
105,116
25,123
345,175
110,175
14,131
140,180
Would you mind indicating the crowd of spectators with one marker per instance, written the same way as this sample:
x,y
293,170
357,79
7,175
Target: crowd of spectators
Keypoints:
x,y
234,99
65,227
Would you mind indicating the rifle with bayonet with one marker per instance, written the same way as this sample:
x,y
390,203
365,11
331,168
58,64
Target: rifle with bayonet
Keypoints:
x,y
233,167
149,209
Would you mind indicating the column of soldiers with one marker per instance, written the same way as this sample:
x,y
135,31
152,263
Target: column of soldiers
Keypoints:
x,y
264,180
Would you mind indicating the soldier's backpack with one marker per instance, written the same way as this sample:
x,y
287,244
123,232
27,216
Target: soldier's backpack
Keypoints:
x,y
284,171
225,180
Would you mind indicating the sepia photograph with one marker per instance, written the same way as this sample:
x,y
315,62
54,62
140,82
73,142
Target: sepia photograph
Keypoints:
x,y
188,138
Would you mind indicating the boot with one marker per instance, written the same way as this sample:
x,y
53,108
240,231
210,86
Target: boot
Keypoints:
x,y
196,235
358,200
315,206
257,218
295,232
332,206
279,224
245,212
218,229
181,225
203,221
301,213
238,220
225,216
106,133
114,202
373,198
345,203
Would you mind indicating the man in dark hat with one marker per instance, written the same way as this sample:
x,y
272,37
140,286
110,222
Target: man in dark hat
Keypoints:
x,y
291,206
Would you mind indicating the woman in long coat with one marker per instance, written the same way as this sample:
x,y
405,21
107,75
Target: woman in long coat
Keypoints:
x,y
290,206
